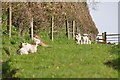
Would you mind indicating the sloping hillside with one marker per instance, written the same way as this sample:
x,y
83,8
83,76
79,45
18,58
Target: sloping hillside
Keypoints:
x,y
63,59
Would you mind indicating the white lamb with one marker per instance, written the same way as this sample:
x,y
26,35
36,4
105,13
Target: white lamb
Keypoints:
x,y
24,49
23,44
36,40
33,48
78,38
86,39
28,48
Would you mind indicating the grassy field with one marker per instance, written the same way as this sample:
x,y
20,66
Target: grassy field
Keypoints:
x,y
63,59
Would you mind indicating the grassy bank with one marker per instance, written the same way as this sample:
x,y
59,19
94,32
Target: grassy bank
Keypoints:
x,y
63,59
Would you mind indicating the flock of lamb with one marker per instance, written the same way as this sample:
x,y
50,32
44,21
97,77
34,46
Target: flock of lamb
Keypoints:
x,y
85,39
27,48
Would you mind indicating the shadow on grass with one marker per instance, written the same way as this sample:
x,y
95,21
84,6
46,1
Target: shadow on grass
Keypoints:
x,y
7,50
115,63
6,70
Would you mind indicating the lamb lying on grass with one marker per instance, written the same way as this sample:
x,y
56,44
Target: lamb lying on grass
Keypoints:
x,y
24,49
39,41
28,48
31,48
36,40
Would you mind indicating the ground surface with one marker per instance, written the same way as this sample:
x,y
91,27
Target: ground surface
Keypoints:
x,y
63,59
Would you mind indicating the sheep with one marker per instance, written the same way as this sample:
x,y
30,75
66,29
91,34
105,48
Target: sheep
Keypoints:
x,y
79,38
86,39
24,49
33,48
37,39
23,44
28,48
83,39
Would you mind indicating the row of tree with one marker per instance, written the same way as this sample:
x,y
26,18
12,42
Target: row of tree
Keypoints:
x,y
42,12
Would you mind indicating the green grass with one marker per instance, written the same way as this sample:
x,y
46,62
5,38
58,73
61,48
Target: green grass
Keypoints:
x,y
64,59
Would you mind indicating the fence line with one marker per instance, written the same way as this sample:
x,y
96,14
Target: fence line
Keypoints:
x,y
112,37
113,34
107,37
112,40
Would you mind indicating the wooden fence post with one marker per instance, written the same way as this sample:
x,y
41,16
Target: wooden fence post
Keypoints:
x,y
104,37
52,28
10,17
73,29
10,24
97,40
31,24
67,29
